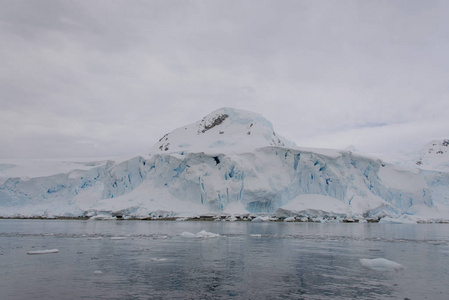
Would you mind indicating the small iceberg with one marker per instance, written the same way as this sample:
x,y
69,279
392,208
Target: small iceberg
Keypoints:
x,y
98,272
188,235
43,251
202,234
118,238
206,234
256,235
261,219
158,259
380,264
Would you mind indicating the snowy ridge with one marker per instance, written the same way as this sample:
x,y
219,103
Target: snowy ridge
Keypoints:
x,y
214,167
434,156
225,130
432,163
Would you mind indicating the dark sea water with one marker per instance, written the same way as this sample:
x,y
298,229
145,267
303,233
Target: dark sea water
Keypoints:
x,y
248,261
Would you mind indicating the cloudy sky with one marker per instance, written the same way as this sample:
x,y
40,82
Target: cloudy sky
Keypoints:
x,y
103,78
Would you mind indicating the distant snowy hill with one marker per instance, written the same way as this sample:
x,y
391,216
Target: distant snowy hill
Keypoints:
x,y
224,130
432,162
434,156
230,162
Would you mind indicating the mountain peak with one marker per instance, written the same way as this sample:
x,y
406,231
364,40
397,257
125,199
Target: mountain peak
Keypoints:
x,y
223,129
434,155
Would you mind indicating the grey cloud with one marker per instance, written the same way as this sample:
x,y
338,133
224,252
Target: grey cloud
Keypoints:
x,y
113,76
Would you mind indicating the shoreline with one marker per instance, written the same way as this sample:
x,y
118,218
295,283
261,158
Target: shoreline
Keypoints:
x,y
215,219
189,219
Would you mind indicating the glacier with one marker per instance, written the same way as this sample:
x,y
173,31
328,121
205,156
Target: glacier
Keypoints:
x,y
230,163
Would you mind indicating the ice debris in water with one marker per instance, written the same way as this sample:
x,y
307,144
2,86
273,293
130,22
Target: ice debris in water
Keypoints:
x,y
255,235
43,251
117,238
205,234
98,272
201,234
187,235
159,259
261,219
155,237
380,264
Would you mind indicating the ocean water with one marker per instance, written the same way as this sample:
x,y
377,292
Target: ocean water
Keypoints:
x,y
154,260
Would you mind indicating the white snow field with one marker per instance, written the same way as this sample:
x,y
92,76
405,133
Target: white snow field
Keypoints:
x,y
229,163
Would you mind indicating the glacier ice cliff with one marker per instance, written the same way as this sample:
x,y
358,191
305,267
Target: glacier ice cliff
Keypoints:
x,y
230,161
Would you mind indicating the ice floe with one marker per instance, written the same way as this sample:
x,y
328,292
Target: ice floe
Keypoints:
x,y
188,235
47,251
201,234
206,234
158,259
380,264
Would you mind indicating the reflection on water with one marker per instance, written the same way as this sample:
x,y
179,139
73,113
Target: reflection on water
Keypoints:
x,y
248,261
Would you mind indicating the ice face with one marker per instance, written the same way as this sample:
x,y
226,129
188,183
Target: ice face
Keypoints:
x,y
233,162
261,181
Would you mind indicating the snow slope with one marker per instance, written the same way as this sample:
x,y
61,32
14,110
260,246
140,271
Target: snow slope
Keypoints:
x,y
433,157
432,164
226,129
231,161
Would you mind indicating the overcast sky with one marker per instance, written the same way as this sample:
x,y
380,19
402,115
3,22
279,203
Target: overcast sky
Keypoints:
x,y
103,78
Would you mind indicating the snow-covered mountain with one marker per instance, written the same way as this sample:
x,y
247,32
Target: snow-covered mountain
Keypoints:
x,y
432,162
434,156
224,130
230,162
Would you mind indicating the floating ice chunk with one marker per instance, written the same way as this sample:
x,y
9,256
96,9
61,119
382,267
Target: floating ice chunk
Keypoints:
x,y
98,272
380,264
437,242
118,238
43,251
156,237
261,219
205,234
201,234
95,238
289,219
187,235
255,235
159,259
